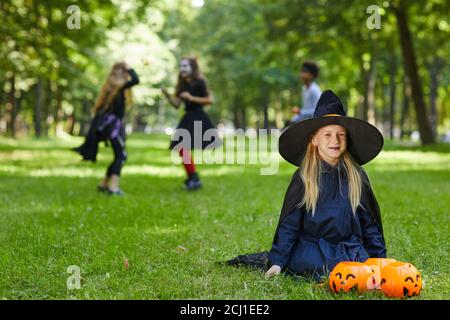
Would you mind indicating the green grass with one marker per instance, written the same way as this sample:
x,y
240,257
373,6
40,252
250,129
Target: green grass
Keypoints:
x,y
52,217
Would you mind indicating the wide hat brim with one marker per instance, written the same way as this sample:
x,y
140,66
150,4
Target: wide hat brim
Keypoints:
x,y
364,141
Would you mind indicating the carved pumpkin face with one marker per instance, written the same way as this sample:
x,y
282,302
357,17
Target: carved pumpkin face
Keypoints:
x,y
400,279
347,276
377,264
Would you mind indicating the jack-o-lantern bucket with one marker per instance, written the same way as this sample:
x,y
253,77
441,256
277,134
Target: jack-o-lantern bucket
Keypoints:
x,y
400,279
347,276
377,264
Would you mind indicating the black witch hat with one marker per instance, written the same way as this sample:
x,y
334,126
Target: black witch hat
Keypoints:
x,y
364,141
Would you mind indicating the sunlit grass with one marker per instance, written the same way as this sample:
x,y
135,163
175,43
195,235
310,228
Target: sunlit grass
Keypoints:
x,y
52,217
412,160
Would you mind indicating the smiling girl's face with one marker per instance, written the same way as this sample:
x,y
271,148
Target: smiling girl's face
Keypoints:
x,y
331,142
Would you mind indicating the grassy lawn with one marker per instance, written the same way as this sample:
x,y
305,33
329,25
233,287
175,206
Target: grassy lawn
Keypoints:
x,y
51,217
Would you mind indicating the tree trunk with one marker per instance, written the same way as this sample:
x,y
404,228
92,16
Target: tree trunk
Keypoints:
x,y
359,112
70,124
243,112
12,108
370,107
405,107
37,115
392,96
85,118
369,93
265,106
434,85
382,115
278,108
17,108
2,107
411,70
58,115
237,121
46,108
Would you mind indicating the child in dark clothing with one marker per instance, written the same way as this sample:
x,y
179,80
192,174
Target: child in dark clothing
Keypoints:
x,y
193,91
329,213
108,124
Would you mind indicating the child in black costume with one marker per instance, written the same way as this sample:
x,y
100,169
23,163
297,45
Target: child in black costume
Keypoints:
x,y
108,125
193,91
329,213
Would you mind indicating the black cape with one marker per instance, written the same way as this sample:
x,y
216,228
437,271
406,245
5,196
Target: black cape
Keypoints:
x,y
89,149
292,199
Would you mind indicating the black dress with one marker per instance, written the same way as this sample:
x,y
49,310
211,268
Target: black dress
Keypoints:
x,y
308,245
195,129
313,245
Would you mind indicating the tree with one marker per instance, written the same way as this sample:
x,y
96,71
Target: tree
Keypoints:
x,y
411,70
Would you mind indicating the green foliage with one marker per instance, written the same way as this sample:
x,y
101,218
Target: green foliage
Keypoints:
x,y
253,49
250,52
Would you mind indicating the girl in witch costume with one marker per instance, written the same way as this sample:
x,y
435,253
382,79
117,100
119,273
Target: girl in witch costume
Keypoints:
x,y
330,213
108,126
193,91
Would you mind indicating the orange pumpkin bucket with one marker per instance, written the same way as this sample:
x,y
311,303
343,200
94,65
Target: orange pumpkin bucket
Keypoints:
x,y
400,279
348,276
377,264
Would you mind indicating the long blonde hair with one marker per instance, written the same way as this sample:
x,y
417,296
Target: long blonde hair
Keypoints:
x,y
310,175
117,78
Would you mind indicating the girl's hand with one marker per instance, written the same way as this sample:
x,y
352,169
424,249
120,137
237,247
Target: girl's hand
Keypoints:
x,y
186,96
273,271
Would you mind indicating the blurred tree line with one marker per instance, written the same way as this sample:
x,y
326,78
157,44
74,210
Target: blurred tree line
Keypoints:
x,y
395,76
51,74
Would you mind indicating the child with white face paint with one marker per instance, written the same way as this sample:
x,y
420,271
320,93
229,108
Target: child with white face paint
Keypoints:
x,y
185,68
193,91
